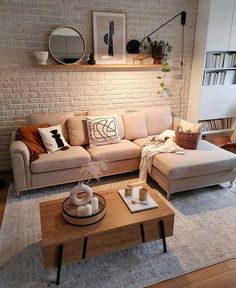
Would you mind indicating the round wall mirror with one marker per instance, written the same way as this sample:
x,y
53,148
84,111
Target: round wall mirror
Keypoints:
x,y
67,45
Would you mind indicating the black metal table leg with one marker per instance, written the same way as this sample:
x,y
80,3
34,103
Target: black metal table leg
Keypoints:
x,y
163,236
84,247
142,232
59,261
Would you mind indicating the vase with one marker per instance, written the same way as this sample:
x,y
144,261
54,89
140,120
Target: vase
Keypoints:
x,y
80,188
157,54
41,56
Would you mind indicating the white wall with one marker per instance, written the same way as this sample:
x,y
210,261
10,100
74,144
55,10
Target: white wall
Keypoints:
x,y
25,26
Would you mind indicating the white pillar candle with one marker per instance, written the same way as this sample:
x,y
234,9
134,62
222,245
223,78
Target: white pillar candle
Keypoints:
x,y
81,211
88,209
94,203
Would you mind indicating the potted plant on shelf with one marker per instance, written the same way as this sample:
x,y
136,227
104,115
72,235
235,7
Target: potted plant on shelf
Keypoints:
x,y
160,50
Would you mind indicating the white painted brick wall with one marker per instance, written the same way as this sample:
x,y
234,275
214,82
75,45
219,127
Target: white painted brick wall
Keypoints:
x,y
25,26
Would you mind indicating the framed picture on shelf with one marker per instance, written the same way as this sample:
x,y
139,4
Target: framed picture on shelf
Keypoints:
x,y
109,37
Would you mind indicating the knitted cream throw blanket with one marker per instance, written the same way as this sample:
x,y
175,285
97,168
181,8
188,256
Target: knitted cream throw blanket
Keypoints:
x,y
163,143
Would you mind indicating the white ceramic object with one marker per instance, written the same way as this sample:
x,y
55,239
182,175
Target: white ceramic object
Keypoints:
x,y
94,203
41,56
88,209
80,188
81,211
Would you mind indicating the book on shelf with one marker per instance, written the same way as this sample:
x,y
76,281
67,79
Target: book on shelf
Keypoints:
x,y
229,77
222,78
208,60
212,78
226,61
218,78
217,64
232,59
222,57
206,79
214,60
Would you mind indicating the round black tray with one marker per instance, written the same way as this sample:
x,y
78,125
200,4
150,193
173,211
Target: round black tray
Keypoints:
x,y
69,212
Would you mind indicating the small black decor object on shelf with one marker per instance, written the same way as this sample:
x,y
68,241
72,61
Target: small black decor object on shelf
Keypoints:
x,y
91,60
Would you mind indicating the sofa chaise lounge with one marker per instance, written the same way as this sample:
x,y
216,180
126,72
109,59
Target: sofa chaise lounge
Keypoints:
x,y
207,165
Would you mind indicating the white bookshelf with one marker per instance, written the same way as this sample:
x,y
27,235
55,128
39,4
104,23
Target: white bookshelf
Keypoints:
x,y
213,78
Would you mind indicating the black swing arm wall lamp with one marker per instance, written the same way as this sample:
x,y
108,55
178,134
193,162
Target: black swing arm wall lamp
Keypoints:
x,y
135,46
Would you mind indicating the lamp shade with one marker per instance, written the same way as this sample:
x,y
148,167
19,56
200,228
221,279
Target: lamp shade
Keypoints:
x,y
133,47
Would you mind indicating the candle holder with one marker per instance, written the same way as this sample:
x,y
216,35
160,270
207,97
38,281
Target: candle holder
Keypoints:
x,y
70,214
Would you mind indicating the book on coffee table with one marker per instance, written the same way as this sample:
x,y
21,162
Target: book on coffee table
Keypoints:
x,y
133,202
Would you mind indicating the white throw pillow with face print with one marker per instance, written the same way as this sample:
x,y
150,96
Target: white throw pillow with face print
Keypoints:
x,y
52,138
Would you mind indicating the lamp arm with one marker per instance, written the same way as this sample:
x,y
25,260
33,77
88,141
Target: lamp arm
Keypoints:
x,y
183,20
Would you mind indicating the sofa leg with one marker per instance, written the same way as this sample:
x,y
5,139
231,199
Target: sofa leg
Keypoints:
x,y
231,183
168,196
13,189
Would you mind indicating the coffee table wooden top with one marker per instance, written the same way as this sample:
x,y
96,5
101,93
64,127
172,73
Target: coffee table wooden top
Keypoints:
x,y
55,230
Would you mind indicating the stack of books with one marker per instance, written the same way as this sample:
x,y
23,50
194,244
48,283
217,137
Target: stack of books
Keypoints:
x,y
220,60
219,77
216,124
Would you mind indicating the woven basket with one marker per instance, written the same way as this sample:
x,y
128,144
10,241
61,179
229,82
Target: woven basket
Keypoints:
x,y
187,139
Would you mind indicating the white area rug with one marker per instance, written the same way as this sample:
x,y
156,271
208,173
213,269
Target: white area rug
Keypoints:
x,y
204,234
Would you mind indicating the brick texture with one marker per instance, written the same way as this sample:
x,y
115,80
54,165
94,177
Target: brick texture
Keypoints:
x,y
25,26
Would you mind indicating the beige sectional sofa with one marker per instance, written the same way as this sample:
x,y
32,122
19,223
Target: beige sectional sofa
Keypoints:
x,y
205,166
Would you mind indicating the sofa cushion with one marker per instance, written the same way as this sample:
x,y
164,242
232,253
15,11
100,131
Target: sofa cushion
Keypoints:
x,y
186,125
111,112
52,118
102,130
207,159
135,125
74,157
30,136
159,118
77,128
115,152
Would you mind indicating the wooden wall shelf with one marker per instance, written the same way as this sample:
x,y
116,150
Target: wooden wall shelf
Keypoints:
x,y
101,67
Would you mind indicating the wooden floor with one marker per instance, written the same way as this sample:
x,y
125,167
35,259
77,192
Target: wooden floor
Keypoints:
x,y
3,193
222,275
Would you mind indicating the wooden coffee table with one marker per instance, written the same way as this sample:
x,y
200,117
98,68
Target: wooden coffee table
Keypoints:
x,y
64,243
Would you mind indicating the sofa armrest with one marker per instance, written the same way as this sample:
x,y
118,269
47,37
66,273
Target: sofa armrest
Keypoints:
x,y
20,158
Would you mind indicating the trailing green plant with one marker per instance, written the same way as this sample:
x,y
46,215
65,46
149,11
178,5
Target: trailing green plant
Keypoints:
x,y
162,86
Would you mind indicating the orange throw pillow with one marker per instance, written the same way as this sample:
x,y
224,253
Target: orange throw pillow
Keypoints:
x,y
30,136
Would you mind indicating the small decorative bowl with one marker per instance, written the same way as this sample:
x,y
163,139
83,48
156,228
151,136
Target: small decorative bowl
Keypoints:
x,y
69,212
41,56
